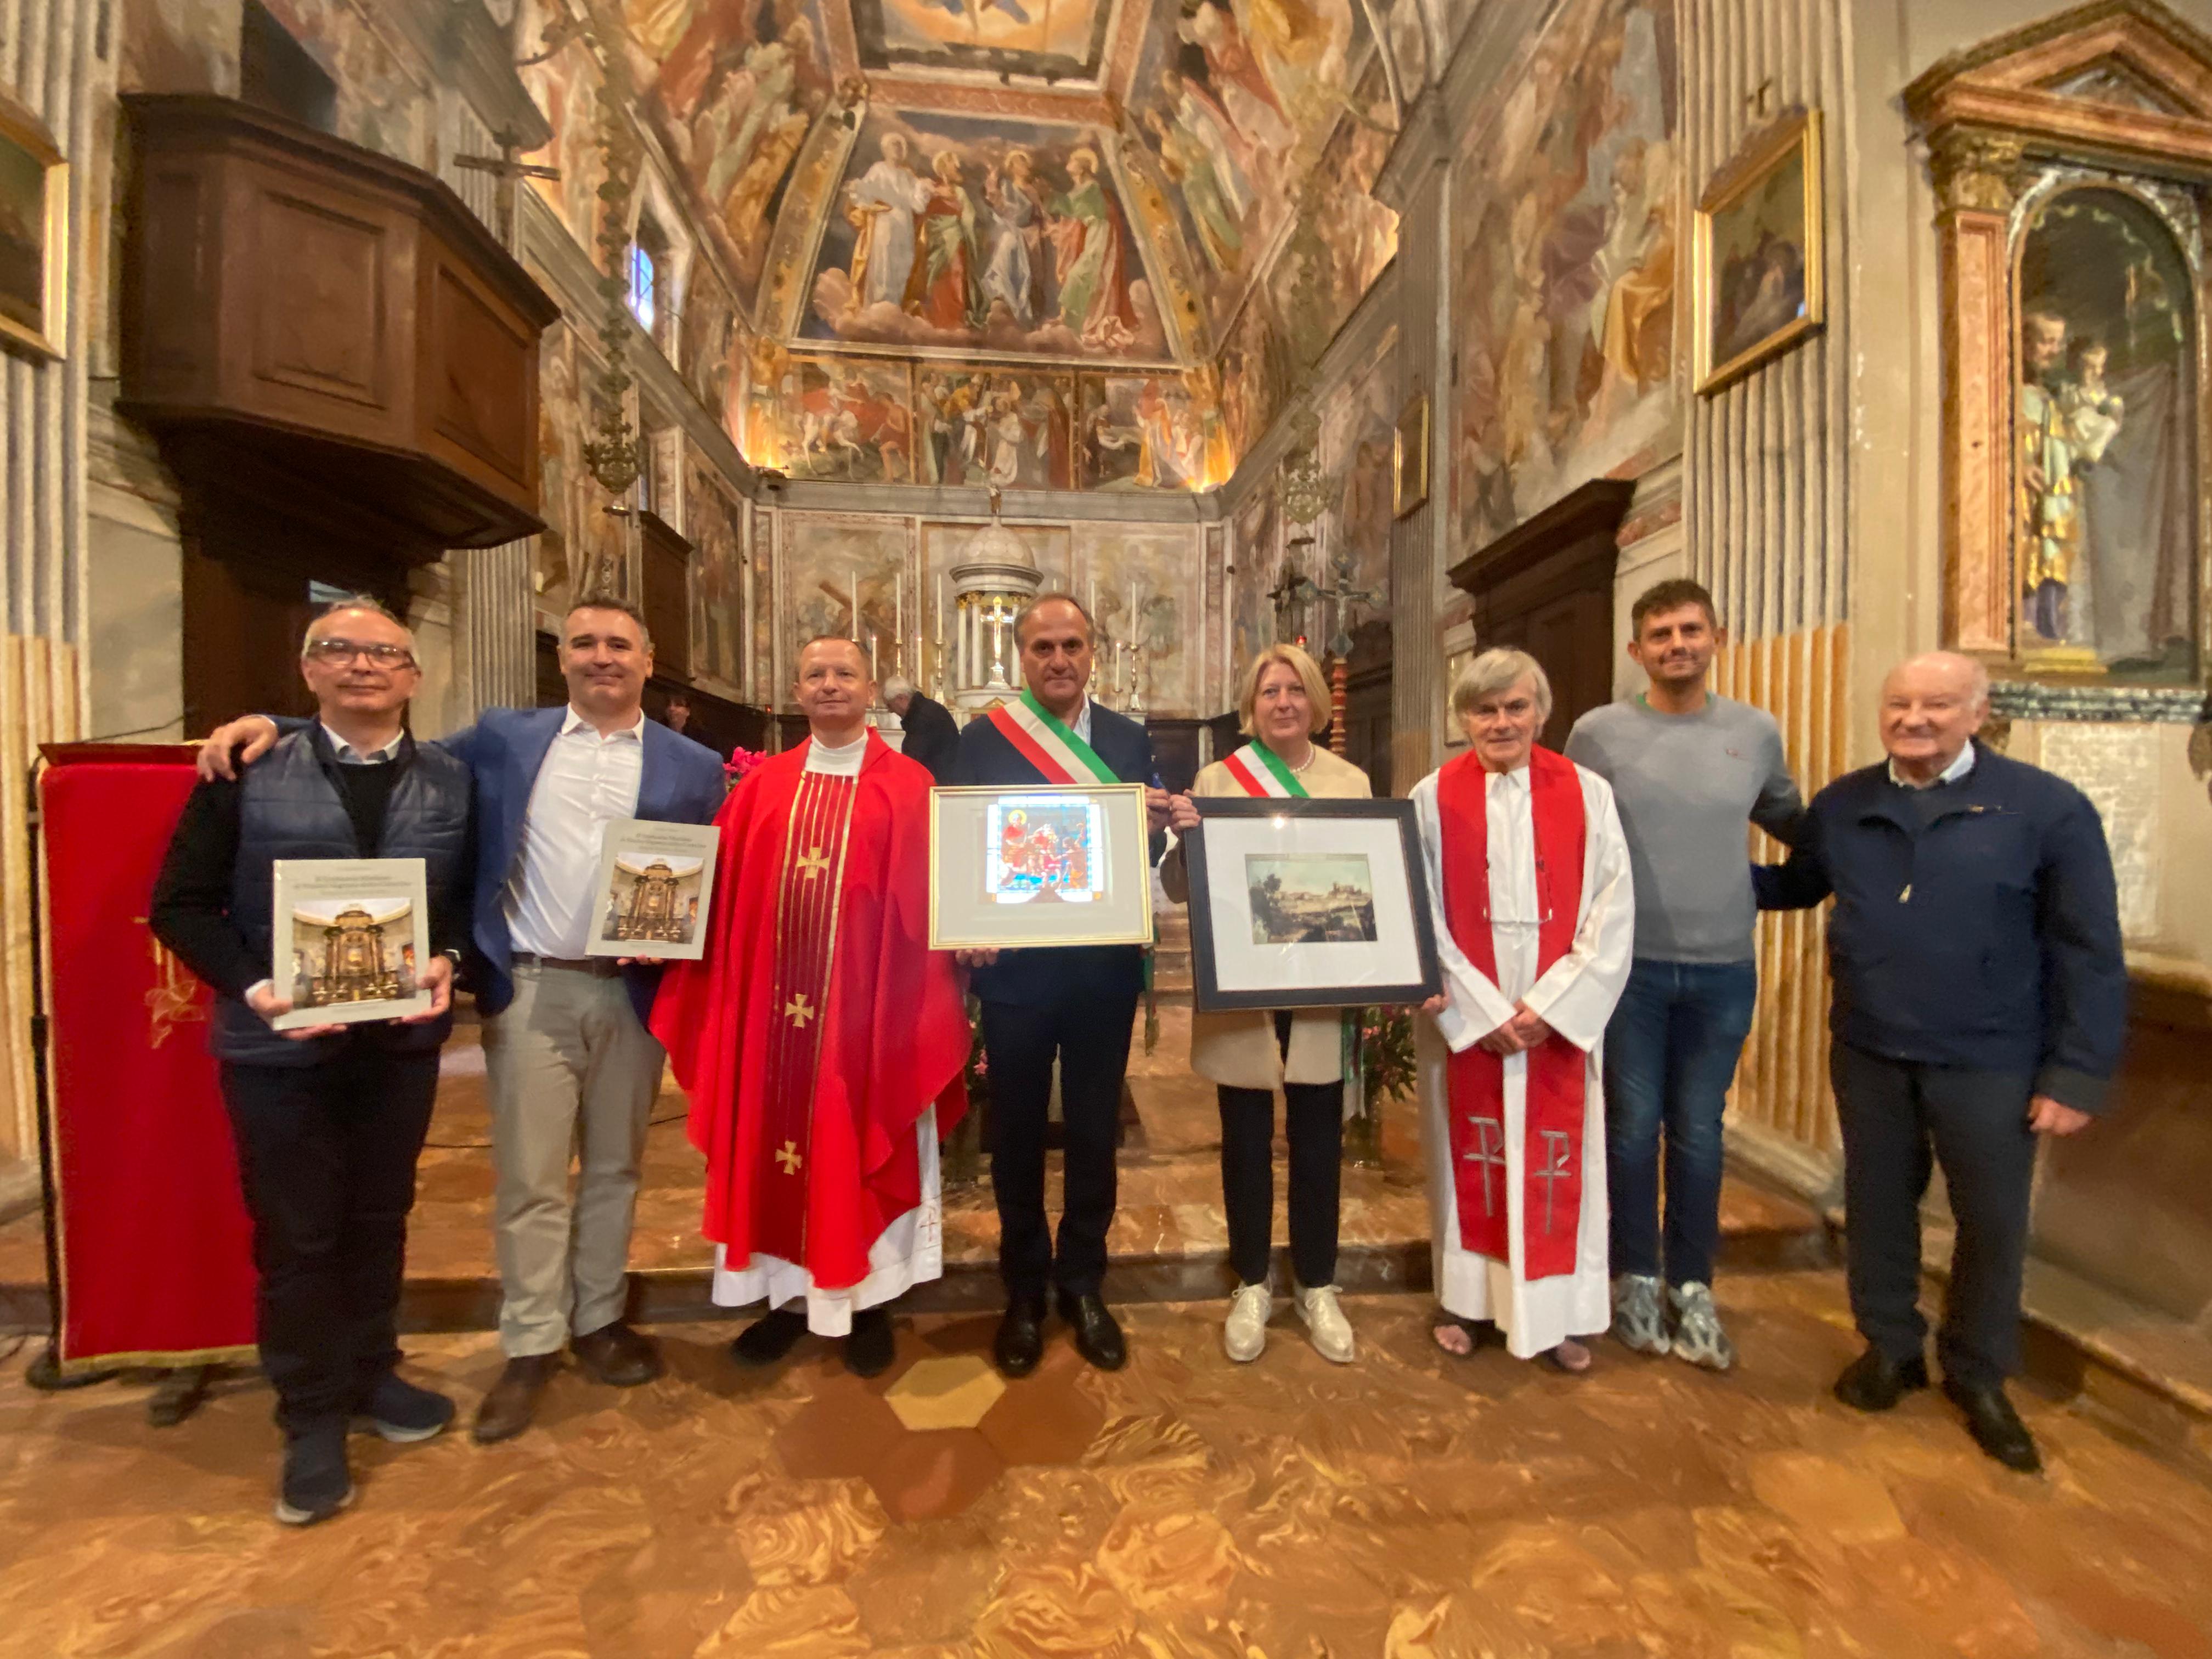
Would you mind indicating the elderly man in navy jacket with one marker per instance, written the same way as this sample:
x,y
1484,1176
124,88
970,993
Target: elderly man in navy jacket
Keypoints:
x,y
1980,1000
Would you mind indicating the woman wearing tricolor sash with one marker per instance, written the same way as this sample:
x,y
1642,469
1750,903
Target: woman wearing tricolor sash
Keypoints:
x,y
1249,1054
1528,874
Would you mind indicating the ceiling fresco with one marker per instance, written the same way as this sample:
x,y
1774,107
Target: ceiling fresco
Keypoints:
x,y
1089,182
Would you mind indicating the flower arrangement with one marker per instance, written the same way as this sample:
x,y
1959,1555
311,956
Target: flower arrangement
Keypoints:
x,y
1386,1053
741,763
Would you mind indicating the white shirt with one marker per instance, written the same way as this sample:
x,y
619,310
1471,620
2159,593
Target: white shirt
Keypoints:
x,y
1958,769
1081,724
587,781
844,762
349,755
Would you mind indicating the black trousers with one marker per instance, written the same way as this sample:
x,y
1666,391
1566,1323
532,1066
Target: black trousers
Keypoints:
x,y
1313,1122
1901,1121
1089,1033
327,1153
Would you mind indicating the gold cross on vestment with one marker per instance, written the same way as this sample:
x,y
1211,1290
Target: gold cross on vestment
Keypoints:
x,y
798,1011
788,1157
815,862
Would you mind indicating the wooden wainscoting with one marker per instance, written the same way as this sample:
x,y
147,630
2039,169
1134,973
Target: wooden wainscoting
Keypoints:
x,y
1782,1085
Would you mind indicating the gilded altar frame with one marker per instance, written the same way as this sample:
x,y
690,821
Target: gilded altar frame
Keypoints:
x,y
2113,95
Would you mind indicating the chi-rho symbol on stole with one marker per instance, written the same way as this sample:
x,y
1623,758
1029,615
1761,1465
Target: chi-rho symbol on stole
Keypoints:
x,y
809,894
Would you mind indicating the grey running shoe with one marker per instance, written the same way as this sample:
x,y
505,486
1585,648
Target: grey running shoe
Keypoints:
x,y
1638,1315
1698,1337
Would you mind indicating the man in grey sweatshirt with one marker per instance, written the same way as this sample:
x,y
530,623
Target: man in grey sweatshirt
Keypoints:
x,y
1688,768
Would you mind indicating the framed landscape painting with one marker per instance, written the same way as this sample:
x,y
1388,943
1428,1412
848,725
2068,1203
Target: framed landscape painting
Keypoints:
x,y
1756,254
33,233
1309,904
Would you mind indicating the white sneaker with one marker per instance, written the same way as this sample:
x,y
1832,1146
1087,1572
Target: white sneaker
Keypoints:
x,y
1246,1331
1698,1337
1326,1324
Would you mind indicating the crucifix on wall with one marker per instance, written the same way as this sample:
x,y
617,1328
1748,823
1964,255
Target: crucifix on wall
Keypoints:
x,y
505,168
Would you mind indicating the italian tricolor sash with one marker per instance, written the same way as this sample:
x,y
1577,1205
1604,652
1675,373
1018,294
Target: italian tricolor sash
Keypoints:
x,y
1048,746
1259,771
1557,1080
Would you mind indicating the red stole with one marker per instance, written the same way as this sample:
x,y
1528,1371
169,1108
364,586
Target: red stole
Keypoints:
x,y
1551,1135
819,1025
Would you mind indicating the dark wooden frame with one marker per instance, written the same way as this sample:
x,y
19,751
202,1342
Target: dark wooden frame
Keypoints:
x,y
1207,997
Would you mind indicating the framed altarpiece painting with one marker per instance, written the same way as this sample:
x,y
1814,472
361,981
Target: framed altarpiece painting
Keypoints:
x,y
2072,162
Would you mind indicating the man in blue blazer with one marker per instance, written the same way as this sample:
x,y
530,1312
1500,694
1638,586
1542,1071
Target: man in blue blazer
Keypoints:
x,y
1075,1002
572,1068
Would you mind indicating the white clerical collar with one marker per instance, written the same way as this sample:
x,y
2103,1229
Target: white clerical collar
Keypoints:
x,y
1958,769
844,761
349,755
575,722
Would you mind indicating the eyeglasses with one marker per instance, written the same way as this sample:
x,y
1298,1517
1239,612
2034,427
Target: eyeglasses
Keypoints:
x,y
336,651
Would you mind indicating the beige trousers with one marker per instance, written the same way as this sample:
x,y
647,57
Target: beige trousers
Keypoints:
x,y
573,1073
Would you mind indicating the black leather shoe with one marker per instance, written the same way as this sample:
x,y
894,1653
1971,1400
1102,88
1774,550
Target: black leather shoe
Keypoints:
x,y
1872,1384
1995,1426
1098,1337
871,1346
769,1338
1020,1341
618,1355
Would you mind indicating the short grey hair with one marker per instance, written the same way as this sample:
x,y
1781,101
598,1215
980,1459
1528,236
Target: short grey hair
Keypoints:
x,y
1500,669
1977,671
1023,615
366,603
896,687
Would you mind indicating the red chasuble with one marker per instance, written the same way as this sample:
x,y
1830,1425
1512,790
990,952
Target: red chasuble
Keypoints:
x,y
819,1025
1557,1082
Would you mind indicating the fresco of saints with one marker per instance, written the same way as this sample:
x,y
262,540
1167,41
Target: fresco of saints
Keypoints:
x,y
757,98
1094,292
881,204
1019,261
945,287
1187,165
1237,79
1198,120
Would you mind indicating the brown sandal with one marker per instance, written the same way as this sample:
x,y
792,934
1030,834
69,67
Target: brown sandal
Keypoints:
x,y
1480,1333
1555,1357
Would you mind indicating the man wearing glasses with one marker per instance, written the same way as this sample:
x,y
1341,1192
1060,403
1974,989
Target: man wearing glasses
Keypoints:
x,y
571,1067
328,1119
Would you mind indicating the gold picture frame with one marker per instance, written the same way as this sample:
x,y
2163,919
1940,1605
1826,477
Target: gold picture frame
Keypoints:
x,y
1409,457
1757,254
33,233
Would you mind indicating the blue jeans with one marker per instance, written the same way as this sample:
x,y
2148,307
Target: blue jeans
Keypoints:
x,y
1670,1053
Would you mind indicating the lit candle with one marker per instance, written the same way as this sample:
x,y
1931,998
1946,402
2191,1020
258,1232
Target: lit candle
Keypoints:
x,y
898,619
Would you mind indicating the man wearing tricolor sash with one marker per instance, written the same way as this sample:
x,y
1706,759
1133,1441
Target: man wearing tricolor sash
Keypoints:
x,y
1073,1003
1248,1054
1528,873
823,1044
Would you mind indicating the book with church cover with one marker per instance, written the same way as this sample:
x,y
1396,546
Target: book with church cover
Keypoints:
x,y
656,883
350,939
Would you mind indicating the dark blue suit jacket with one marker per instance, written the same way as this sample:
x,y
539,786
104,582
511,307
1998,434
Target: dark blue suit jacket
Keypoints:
x,y
1038,975
682,782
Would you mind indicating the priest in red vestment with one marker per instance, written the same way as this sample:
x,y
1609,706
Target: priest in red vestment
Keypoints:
x,y
823,1044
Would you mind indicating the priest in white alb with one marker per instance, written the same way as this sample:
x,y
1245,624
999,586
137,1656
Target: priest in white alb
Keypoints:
x,y
823,1044
1528,874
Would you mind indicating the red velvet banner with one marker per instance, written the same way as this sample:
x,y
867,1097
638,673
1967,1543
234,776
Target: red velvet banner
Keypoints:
x,y
156,1251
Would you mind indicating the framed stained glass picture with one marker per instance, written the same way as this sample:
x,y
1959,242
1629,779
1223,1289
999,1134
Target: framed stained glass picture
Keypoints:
x,y
1039,867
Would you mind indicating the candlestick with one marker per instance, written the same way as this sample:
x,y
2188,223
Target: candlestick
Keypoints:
x,y
898,621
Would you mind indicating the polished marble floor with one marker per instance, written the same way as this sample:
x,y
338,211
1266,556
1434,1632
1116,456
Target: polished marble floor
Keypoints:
x,y
1408,1506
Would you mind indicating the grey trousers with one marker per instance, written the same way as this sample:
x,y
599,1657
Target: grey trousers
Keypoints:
x,y
573,1072
1900,1121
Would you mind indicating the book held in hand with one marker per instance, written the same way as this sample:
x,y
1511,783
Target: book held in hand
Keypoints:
x,y
350,941
656,883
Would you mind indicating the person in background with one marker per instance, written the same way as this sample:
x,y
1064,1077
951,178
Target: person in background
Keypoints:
x,y
1284,707
328,1119
933,738
1981,997
1535,915
1687,768
572,1068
